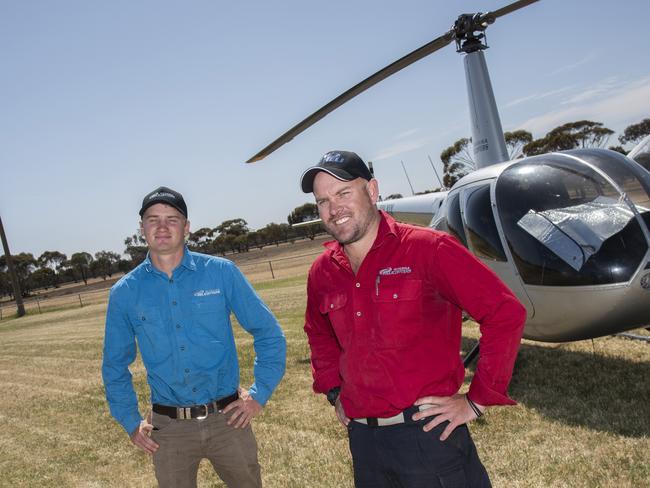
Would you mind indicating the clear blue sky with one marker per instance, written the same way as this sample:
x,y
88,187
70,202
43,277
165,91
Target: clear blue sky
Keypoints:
x,y
101,102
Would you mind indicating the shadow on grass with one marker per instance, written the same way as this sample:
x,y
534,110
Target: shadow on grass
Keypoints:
x,y
581,388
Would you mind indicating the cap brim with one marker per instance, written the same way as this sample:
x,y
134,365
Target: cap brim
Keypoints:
x,y
308,177
151,204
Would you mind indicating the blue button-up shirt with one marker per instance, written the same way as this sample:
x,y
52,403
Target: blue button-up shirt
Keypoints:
x,y
183,330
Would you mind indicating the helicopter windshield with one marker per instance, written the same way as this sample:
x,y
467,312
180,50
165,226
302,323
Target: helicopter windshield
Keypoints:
x,y
576,233
567,225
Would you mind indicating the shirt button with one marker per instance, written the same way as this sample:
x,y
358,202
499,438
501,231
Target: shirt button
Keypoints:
x,y
171,280
358,314
187,370
174,302
194,390
394,295
331,306
182,348
178,326
358,285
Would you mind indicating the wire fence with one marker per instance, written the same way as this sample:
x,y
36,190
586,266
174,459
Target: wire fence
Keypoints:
x,y
255,270
279,268
45,303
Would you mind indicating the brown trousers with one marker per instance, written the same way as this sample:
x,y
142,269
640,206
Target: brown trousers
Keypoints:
x,y
183,443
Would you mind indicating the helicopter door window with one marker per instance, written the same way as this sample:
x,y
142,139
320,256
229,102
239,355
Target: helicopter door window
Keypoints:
x,y
454,220
482,233
584,217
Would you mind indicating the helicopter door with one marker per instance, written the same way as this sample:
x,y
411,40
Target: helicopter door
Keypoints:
x,y
470,218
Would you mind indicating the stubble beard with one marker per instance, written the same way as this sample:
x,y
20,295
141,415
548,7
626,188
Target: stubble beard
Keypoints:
x,y
358,231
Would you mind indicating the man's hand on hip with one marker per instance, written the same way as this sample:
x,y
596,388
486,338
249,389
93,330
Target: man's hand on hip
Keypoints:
x,y
243,410
340,413
141,436
454,409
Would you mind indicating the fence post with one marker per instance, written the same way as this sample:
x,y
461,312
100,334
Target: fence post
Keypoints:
x,y
0,313
81,304
271,266
39,305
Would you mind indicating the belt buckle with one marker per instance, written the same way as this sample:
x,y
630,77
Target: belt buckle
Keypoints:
x,y
203,417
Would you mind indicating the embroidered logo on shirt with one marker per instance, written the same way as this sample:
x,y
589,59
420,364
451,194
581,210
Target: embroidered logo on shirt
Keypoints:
x,y
393,271
205,293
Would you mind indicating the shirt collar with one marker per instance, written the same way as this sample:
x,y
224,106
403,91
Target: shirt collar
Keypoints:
x,y
147,264
187,262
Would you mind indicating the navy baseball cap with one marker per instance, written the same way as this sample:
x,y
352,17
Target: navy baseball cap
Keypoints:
x,y
164,195
342,165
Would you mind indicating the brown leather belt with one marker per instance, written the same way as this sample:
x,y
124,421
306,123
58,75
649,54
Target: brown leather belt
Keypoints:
x,y
195,411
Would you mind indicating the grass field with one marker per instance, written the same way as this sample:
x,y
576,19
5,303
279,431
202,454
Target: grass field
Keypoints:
x,y
582,419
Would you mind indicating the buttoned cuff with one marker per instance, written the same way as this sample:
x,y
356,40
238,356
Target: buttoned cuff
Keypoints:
x,y
326,383
131,424
258,396
485,396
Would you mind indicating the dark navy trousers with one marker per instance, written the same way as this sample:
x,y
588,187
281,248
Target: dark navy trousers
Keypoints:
x,y
404,456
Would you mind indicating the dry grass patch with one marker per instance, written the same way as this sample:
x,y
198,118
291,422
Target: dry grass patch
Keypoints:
x,y
581,419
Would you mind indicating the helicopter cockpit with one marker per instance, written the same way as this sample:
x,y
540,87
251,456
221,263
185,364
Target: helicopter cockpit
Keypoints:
x,y
570,218
574,218
575,221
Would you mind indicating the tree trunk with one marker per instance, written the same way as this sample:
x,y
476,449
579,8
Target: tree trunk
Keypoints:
x,y
12,272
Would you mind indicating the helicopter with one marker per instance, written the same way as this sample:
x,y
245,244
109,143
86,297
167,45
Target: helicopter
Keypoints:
x,y
567,231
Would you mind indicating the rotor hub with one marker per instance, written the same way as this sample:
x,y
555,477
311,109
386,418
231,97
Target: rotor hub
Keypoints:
x,y
469,32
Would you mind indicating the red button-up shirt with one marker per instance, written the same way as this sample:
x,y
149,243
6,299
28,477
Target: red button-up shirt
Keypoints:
x,y
391,333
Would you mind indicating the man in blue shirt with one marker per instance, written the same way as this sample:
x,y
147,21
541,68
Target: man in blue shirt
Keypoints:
x,y
176,305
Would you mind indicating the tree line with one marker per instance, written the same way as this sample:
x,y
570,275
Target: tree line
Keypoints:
x,y
53,268
458,160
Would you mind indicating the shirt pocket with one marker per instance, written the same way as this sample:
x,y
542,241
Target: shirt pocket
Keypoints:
x,y
152,335
333,305
397,313
211,329
209,313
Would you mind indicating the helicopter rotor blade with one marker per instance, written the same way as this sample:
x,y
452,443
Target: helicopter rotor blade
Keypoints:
x,y
373,79
380,75
492,16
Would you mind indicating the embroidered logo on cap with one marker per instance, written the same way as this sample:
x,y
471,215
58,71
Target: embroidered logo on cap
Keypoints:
x,y
333,158
162,194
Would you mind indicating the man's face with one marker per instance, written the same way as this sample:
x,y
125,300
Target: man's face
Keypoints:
x,y
164,228
347,208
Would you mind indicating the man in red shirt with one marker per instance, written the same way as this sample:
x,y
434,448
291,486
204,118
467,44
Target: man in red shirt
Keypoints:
x,y
383,319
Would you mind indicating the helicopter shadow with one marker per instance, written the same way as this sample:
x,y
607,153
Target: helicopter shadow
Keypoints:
x,y
582,389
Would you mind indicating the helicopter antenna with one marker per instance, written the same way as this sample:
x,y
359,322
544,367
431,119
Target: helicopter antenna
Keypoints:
x,y
407,177
435,171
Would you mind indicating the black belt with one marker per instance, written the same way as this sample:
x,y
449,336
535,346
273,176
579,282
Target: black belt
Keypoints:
x,y
196,411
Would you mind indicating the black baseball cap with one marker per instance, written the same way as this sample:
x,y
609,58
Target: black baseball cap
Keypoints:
x,y
343,165
165,195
